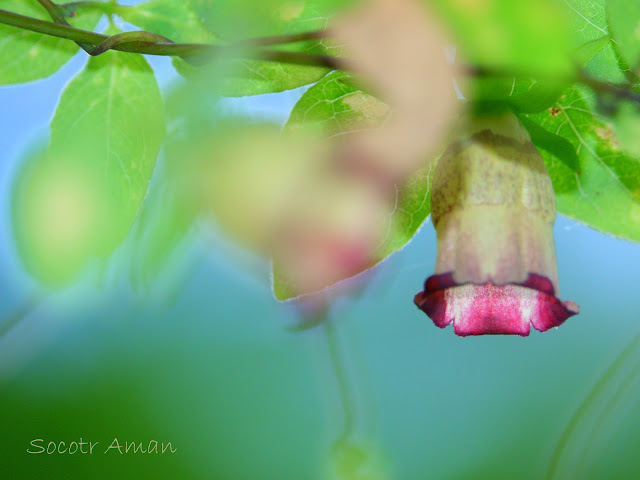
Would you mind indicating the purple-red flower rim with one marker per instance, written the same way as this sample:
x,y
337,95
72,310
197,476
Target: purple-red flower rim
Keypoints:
x,y
432,301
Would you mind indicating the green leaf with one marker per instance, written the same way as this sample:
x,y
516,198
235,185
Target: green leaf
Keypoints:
x,y
592,40
519,94
162,226
243,19
628,127
526,37
219,22
556,145
169,212
88,188
624,20
337,106
605,191
175,20
27,56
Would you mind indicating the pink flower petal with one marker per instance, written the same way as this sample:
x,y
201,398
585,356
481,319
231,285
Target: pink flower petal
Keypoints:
x,y
493,309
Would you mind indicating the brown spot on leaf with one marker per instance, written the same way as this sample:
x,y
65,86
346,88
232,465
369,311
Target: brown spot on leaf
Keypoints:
x,y
554,112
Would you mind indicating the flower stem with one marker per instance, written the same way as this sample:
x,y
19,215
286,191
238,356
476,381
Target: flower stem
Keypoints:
x,y
345,385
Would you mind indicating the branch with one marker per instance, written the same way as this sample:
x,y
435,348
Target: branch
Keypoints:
x,y
153,44
57,15
252,49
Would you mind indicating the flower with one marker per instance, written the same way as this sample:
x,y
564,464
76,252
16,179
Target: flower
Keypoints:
x,y
493,209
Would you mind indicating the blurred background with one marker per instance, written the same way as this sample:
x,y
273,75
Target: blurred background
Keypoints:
x,y
207,360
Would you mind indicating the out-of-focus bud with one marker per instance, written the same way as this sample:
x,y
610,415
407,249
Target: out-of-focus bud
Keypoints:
x,y
396,49
493,210
331,230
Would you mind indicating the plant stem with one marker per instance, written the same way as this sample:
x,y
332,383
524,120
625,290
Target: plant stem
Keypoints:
x,y
283,39
345,385
135,44
57,15
250,49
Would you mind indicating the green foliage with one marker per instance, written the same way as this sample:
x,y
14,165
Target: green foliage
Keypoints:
x,y
594,48
175,20
338,106
167,215
627,127
218,22
109,125
27,56
554,144
605,190
162,226
88,187
357,460
525,95
624,21
510,35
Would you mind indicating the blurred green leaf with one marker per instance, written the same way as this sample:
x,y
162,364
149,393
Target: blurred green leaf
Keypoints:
x,y
111,115
605,191
585,52
525,95
627,123
243,19
218,22
175,20
27,56
81,197
513,35
337,106
624,21
162,226
594,48
357,460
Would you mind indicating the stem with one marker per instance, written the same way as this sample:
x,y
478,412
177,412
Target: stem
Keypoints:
x,y
57,15
283,39
345,385
251,49
134,43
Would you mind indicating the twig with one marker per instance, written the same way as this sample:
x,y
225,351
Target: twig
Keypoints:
x,y
142,42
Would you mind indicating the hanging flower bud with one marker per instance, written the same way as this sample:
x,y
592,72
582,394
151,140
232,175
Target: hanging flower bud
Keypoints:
x,y
493,208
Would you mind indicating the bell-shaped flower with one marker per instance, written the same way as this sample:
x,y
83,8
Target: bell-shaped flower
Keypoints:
x,y
493,209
